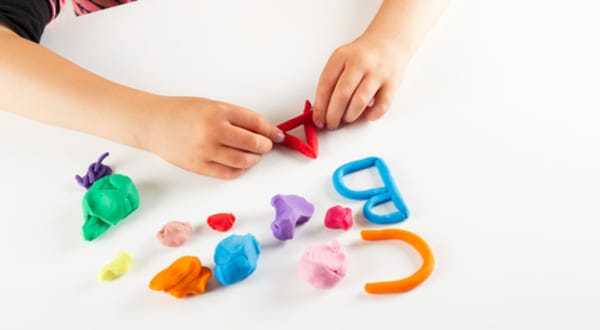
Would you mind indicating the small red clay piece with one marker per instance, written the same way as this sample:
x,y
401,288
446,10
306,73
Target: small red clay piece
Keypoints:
x,y
221,221
310,148
338,217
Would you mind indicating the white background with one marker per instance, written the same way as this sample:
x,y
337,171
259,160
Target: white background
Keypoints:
x,y
493,141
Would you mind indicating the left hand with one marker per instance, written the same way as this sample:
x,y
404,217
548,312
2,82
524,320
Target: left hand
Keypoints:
x,y
360,78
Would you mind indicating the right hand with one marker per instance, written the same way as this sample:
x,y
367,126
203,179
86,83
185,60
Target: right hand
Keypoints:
x,y
209,137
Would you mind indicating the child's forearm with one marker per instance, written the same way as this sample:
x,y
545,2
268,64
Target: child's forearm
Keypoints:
x,y
201,135
41,85
406,21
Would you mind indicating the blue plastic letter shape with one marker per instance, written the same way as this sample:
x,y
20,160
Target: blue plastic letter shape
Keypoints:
x,y
373,196
235,258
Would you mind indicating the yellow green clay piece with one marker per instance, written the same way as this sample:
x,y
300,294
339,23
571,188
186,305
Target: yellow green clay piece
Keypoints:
x,y
117,267
107,202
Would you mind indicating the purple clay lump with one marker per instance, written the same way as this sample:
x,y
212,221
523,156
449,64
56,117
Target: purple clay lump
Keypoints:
x,y
290,211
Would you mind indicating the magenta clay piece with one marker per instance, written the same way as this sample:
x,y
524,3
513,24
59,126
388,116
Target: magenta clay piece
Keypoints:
x,y
338,217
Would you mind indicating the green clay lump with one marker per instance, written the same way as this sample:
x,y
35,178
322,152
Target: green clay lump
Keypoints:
x,y
107,202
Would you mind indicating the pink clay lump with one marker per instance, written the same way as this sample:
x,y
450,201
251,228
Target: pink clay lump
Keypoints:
x,y
174,233
323,266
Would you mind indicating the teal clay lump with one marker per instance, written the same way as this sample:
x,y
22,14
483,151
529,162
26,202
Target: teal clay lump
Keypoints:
x,y
107,202
235,258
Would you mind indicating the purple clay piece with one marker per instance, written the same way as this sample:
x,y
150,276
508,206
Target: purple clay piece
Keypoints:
x,y
95,172
290,211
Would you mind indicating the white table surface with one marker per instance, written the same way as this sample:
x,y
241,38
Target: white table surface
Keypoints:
x,y
492,140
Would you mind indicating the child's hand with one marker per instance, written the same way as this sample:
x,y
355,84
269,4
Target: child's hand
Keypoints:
x,y
209,137
360,78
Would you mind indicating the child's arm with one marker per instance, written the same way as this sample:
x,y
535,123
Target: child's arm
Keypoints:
x,y
200,135
370,68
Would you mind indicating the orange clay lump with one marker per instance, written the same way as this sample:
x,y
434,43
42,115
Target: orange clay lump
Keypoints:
x,y
184,277
411,281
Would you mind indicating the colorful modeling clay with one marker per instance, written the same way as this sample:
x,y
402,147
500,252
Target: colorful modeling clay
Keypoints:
x,y
221,221
415,279
236,257
323,266
117,267
338,217
290,211
95,171
184,277
106,203
311,147
374,196
174,233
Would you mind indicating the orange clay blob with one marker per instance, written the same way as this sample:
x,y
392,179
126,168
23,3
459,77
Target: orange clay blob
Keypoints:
x,y
184,277
413,280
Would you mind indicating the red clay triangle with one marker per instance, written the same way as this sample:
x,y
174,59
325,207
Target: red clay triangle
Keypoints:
x,y
310,148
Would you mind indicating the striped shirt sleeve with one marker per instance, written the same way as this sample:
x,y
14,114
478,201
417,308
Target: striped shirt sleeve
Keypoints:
x,y
82,7
29,17
56,6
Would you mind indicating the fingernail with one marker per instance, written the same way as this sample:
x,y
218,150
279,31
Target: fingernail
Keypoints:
x,y
280,137
319,124
371,103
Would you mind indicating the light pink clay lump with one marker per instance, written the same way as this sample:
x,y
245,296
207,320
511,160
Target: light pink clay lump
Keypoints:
x,y
174,233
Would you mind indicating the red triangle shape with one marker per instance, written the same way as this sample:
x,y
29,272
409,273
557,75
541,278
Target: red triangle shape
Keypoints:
x,y
310,148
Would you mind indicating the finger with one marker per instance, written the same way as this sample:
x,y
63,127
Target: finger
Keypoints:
x,y
327,81
221,171
235,158
242,139
349,81
383,100
361,99
256,123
